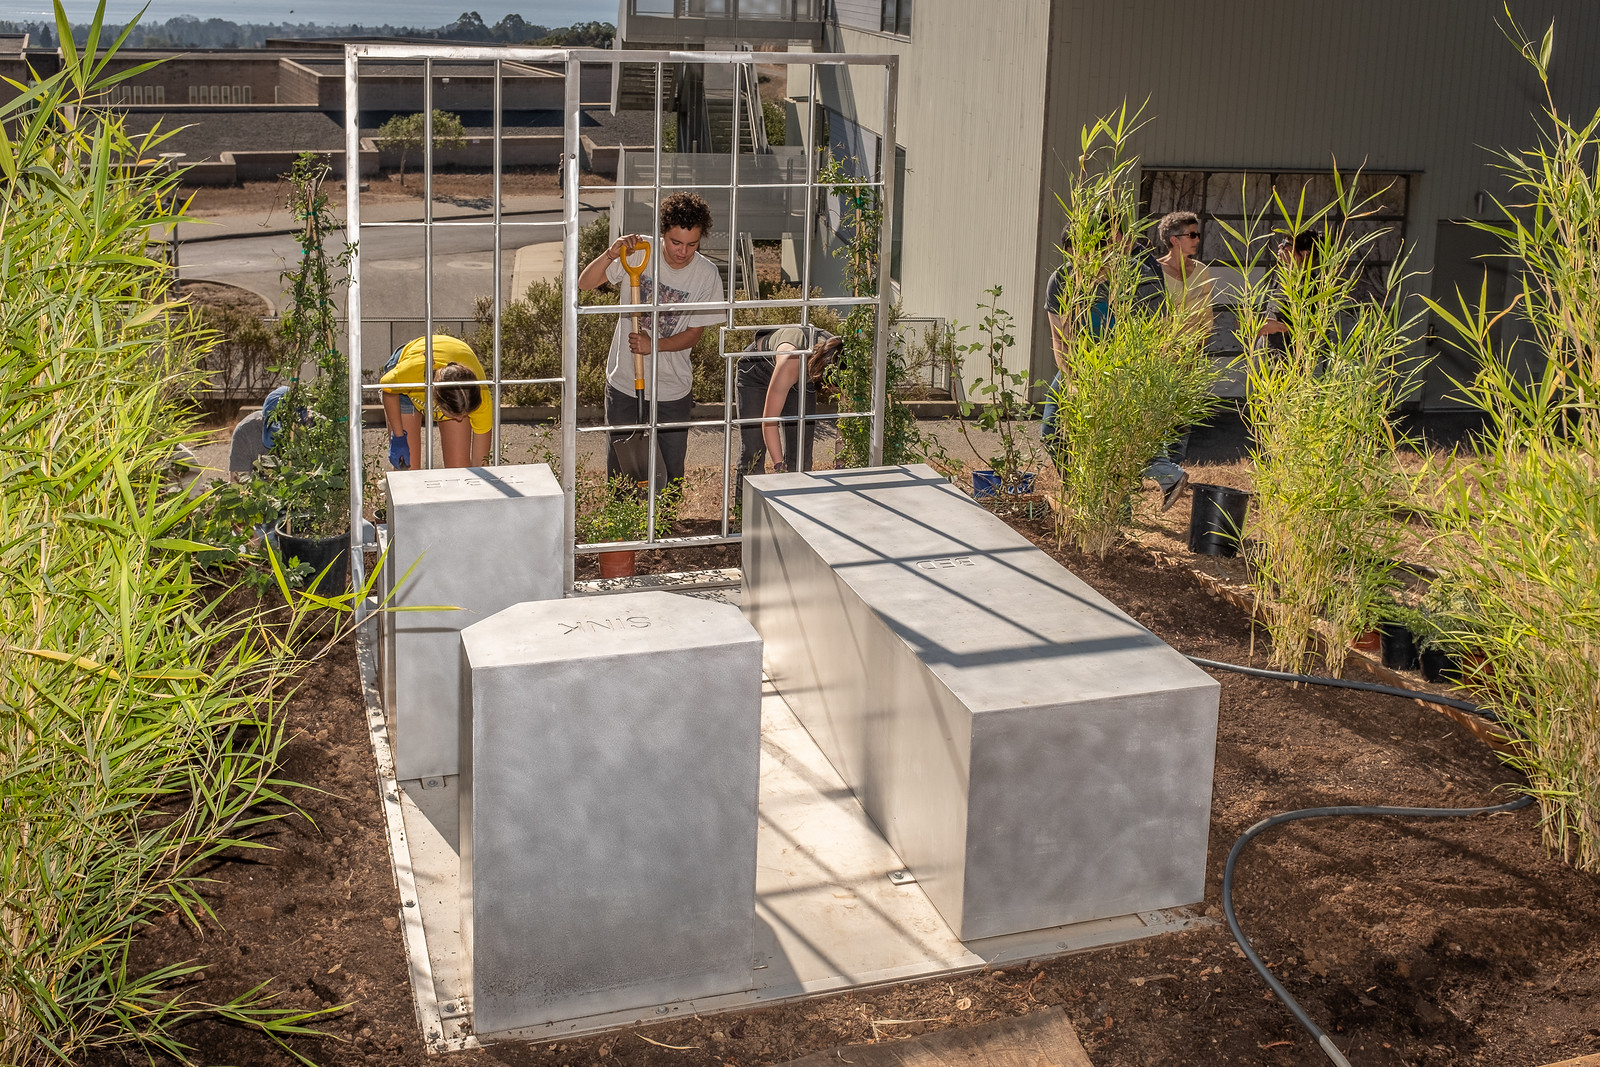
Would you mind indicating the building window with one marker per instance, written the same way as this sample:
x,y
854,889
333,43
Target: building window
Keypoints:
x,y
895,17
139,94
1225,199
219,94
1231,196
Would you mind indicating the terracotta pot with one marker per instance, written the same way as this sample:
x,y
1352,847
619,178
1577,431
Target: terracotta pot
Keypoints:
x,y
1371,641
617,564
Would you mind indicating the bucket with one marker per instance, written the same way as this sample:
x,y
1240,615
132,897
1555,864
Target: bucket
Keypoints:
x,y
1440,666
1399,647
987,483
317,553
617,564
1216,519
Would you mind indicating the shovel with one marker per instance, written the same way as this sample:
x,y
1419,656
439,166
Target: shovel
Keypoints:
x,y
633,449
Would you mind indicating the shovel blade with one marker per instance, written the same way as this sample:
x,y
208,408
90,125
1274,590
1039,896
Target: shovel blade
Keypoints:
x,y
633,456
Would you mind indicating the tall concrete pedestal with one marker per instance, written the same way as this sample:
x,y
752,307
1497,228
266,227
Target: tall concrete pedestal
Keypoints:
x,y
610,763
480,539
1034,755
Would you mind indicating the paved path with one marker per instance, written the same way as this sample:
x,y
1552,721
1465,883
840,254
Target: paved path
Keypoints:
x,y
252,251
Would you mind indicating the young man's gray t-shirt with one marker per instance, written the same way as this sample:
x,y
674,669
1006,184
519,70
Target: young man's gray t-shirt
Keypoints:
x,y
698,282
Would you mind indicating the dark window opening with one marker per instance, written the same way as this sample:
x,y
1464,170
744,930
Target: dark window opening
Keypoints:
x,y
896,17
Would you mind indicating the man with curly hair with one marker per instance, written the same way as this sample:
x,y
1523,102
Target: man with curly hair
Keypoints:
x,y
677,274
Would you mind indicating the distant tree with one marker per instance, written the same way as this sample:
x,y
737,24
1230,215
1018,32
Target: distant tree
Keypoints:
x,y
513,29
579,35
468,27
405,132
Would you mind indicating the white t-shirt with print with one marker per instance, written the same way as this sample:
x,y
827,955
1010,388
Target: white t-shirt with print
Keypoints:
x,y
698,282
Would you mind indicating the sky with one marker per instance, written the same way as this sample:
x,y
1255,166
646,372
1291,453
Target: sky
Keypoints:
x,y
421,13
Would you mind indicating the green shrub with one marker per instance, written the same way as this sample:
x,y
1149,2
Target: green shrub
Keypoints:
x,y
141,726
615,510
593,239
242,363
1520,526
997,395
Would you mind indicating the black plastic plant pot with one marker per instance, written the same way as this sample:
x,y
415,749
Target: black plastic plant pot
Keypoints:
x,y
1399,647
317,553
1440,666
1216,519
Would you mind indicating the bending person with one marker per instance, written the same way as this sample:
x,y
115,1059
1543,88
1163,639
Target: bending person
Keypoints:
x,y
769,386
464,419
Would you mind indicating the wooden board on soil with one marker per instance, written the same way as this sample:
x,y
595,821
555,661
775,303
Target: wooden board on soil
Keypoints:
x,y
1041,1039
1411,942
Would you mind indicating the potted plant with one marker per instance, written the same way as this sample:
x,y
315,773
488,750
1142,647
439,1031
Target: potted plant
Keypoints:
x,y
616,511
1400,630
1453,639
306,473
1000,402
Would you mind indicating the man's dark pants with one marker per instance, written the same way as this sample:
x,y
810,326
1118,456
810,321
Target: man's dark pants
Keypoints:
x,y
622,410
753,444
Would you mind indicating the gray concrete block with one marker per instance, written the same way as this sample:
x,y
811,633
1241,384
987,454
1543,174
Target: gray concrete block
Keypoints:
x,y
1034,755
610,768
479,539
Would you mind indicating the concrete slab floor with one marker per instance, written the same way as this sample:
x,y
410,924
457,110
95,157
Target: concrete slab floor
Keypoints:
x,y
828,916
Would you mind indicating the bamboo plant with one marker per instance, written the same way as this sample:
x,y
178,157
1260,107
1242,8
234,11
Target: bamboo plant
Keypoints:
x,y
1132,376
140,727
1328,492
1520,526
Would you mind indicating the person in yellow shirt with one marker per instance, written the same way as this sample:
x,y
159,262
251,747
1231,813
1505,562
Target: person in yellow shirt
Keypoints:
x,y
460,411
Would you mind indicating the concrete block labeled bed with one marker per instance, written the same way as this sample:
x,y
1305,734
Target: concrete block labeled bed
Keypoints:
x,y
1034,755
610,768
479,539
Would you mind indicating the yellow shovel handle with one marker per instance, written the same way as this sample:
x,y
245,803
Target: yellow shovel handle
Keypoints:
x,y
635,273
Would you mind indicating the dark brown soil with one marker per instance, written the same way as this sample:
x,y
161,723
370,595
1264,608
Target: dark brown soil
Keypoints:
x,y
1412,942
223,295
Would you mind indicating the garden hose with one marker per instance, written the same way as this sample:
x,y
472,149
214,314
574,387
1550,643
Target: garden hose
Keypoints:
x,y
1324,1041
1345,683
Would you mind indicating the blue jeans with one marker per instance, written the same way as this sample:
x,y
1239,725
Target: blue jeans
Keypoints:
x,y
1047,411
406,406
269,416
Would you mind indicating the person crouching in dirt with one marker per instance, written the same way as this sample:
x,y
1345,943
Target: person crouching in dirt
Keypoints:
x,y
769,386
464,419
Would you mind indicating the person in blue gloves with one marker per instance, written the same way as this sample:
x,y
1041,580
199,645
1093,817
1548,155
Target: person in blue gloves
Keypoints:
x,y
464,419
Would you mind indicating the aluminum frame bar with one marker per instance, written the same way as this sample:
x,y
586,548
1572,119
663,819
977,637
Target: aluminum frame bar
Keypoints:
x,y
352,206
573,62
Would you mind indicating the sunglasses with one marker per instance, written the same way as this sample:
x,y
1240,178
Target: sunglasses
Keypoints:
x,y
1192,233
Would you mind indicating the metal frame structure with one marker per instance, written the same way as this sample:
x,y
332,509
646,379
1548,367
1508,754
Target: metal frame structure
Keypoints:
x,y
573,61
